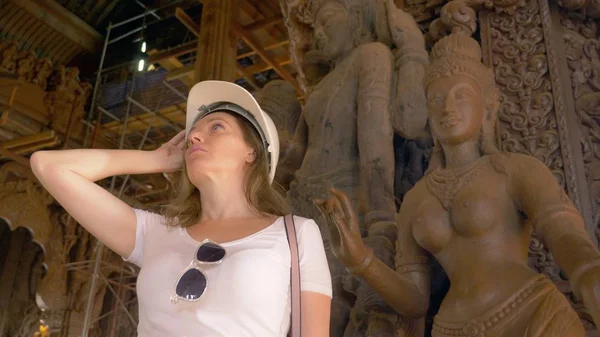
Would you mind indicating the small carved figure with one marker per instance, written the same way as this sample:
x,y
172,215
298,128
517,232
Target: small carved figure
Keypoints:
x,y
26,65
9,50
43,69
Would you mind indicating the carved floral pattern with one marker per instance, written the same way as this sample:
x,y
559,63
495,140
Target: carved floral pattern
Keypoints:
x,y
527,121
583,59
532,113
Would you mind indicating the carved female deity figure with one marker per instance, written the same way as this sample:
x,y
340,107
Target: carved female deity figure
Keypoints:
x,y
279,99
9,50
43,70
474,211
26,65
344,137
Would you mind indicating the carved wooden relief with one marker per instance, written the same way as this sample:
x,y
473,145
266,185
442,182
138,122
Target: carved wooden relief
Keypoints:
x,y
533,117
25,204
583,60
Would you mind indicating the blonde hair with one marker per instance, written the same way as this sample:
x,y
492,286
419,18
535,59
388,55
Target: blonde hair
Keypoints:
x,y
185,207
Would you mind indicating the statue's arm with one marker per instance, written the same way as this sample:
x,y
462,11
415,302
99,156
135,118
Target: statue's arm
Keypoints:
x,y
406,289
558,224
293,157
409,113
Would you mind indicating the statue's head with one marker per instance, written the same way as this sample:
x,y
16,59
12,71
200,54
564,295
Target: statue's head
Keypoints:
x,y
339,25
279,99
73,72
462,97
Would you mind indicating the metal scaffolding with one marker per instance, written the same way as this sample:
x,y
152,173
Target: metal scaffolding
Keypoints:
x,y
123,288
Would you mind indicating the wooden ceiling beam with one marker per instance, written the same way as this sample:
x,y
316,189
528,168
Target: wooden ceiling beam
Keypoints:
x,y
253,12
181,73
191,46
264,23
248,77
66,23
182,16
13,156
177,51
106,11
97,8
260,67
252,43
268,47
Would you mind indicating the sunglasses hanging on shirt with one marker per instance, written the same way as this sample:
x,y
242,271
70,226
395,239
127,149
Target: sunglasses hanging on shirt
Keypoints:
x,y
193,283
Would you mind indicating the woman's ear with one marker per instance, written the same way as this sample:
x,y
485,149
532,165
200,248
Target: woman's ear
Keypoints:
x,y
251,157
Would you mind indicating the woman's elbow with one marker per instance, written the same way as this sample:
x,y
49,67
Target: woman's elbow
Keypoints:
x,y
40,161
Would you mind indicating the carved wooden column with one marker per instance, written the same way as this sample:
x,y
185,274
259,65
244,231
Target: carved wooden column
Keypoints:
x,y
216,56
526,50
537,116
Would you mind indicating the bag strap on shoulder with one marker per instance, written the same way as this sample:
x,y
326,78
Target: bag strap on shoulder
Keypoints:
x,y
290,229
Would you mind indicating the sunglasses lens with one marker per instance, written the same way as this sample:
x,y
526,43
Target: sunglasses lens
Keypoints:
x,y
191,285
210,252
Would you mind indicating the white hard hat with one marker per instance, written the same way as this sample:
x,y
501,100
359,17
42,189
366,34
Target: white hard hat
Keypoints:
x,y
218,96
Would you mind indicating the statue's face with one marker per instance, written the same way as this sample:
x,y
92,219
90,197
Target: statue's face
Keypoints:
x,y
332,31
456,108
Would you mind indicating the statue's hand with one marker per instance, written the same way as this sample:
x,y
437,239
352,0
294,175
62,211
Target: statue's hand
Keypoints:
x,y
344,229
403,27
589,292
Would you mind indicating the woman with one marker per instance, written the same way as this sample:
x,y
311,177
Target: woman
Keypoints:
x,y
225,206
474,212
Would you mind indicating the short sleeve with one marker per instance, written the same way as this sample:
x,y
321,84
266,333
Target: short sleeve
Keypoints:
x,y
314,269
144,220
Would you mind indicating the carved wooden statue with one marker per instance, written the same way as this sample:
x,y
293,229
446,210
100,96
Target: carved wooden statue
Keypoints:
x,y
26,65
9,50
474,212
344,137
43,69
279,99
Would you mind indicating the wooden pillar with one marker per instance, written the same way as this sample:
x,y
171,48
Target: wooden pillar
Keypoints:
x,y
8,276
216,57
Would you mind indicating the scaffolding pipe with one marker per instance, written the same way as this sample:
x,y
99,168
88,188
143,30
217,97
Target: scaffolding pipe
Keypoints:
x,y
125,120
175,127
173,89
118,120
99,248
113,327
162,95
98,76
90,301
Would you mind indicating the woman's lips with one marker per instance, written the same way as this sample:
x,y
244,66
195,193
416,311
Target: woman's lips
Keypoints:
x,y
196,148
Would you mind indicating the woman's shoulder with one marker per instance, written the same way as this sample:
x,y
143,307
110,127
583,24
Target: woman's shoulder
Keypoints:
x,y
148,218
302,222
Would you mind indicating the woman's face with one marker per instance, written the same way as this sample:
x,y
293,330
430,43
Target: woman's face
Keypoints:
x,y
456,109
216,147
332,31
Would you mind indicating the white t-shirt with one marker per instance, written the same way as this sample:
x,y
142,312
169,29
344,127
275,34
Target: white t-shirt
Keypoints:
x,y
248,294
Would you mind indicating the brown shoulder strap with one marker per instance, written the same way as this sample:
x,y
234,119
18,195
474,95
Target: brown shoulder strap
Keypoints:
x,y
290,229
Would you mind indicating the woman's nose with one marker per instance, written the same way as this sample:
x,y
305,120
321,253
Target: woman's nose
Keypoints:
x,y
196,137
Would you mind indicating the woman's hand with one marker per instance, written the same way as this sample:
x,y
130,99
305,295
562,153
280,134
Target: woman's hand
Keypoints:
x,y
171,153
344,229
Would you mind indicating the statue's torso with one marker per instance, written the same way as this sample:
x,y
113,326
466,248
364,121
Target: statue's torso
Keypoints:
x,y
330,114
480,239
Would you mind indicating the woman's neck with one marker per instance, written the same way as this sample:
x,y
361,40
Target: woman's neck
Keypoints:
x,y
224,199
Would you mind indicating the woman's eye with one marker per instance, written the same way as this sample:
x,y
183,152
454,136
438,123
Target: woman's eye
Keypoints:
x,y
216,127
